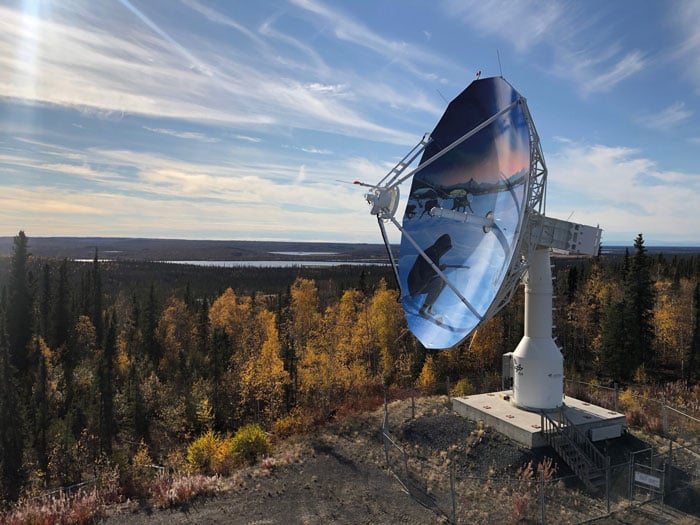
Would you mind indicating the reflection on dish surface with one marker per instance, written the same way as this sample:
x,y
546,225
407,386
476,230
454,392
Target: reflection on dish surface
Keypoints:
x,y
465,210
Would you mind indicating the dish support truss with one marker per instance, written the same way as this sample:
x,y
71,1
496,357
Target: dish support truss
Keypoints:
x,y
537,362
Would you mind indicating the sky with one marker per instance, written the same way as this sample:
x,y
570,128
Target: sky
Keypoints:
x,y
205,119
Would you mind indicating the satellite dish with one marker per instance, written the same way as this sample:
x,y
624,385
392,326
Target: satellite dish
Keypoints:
x,y
473,225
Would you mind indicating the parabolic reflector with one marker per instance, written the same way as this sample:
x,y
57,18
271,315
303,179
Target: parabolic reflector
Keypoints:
x,y
465,211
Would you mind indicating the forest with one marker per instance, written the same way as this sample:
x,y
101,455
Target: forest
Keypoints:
x,y
102,362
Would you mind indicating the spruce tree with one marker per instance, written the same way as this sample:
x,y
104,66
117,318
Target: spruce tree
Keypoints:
x,y
106,388
150,341
639,309
96,314
19,309
694,348
45,303
11,439
61,309
40,406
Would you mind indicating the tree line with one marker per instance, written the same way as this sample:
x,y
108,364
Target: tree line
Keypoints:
x,y
90,373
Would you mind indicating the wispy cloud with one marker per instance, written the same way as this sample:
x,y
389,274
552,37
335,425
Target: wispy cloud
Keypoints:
x,y
317,151
265,200
667,118
219,18
525,22
141,73
578,54
189,135
608,76
310,57
247,138
615,183
411,57
685,19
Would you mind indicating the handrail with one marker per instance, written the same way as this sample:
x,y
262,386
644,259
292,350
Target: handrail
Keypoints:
x,y
593,460
581,439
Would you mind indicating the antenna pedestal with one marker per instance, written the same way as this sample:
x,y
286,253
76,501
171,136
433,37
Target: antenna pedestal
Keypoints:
x,y
538,365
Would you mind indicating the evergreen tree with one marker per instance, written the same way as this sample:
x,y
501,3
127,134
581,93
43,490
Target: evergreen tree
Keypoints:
x,y
96,314
694,349
614,360
639,310
19,306
61,309
106,387
572,278
40,404
11,473
150,325
45,303
136,415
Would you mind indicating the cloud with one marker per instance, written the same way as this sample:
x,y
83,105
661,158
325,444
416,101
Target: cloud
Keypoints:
x,y
410,57
685,19
190,135
218,18
608,77
128,71
667,118
574,41
317,151
134,193
623,191
525,22
247,138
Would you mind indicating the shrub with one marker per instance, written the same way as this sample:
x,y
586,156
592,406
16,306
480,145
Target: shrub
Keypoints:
x,y
296,422
203,453
81,508
462,388
547,468
176,461
629,401
167,491
249,443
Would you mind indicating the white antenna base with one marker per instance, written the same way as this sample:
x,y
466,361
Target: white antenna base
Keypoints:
x,y
538,365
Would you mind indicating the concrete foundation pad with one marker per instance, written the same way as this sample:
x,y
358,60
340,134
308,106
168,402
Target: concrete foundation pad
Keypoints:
x,y
497,411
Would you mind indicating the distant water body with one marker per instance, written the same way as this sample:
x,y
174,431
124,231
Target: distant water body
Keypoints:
x,y
262,264
276,264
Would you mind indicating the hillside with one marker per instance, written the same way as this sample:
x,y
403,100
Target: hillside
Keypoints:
x,y
339,475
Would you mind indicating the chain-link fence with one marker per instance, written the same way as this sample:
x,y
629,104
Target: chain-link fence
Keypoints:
x,y
533,490
652,412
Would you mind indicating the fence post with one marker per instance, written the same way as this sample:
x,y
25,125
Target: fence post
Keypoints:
x,y
386,412
386,446
670,464
631,478
607,484
664,414
452,492
544,514
448,391
663,482
413,401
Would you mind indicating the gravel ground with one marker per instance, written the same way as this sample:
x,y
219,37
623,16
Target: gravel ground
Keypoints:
x,y
339,475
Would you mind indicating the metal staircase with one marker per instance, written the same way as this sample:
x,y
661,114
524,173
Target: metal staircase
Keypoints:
x,y
577,451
